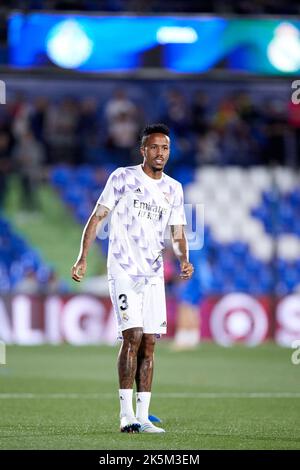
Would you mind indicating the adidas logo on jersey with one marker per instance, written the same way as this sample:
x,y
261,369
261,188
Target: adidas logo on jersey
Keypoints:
x,y
164,323
138,190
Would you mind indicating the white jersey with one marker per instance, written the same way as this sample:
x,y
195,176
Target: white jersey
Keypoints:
x,y
142,208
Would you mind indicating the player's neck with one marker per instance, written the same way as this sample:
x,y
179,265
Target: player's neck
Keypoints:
x,y
155,174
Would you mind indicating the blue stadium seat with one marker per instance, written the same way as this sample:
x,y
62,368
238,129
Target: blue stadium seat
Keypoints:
x,y
17,258
239,250
83,212
61,176
84,176
44,273
184,174
16,272
253,265
73,195
294,198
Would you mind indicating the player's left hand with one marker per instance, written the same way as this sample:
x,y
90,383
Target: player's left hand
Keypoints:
x,y
187,270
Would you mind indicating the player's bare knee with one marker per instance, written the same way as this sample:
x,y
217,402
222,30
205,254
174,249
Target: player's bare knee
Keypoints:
x,y
147,346
132,338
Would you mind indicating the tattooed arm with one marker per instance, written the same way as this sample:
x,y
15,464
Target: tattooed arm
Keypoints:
x,y
180,247
88,236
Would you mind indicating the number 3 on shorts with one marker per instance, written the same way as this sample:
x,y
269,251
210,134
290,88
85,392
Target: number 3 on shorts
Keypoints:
x,y
124,304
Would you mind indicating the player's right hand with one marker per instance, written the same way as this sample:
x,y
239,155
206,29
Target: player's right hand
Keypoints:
x,y
78,270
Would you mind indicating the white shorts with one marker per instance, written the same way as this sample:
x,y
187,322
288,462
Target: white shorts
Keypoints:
x,y
140,304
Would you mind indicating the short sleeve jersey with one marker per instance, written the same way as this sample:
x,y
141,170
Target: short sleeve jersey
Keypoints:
x,y
142,209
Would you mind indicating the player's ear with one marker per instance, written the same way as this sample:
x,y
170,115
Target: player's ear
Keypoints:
x,y
142,150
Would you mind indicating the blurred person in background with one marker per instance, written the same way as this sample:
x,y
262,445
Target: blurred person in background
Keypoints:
x,y
88,132
177,112
50,283
170,270
200,112
122,137
5,165
293,120
28,284
207,148
29,156
276,125
123,121
20,110
190,296
62,127
119,104
38,120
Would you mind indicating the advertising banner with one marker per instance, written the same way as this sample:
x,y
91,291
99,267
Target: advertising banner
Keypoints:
x,y
235,318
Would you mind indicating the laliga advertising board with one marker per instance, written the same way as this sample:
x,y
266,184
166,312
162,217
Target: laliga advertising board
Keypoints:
x,y
78,320
86,319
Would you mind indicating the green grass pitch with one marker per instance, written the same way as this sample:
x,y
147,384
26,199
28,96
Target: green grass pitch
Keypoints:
x,y
65,397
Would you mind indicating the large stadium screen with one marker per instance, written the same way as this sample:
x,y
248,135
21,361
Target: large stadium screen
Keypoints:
x,y
176,44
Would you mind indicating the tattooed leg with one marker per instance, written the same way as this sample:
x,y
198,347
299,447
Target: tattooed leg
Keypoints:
x,y
145,361
127,359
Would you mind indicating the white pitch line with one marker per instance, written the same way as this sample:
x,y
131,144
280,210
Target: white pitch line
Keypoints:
x,y
232,395
97,396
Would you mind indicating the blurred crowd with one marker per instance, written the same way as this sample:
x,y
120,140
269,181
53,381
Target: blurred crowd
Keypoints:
x,y
40,132
156,6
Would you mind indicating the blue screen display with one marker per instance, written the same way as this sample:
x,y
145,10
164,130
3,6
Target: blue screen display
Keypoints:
x,y
178,44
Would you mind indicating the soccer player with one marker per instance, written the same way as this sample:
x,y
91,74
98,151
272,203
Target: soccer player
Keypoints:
x,y
143,202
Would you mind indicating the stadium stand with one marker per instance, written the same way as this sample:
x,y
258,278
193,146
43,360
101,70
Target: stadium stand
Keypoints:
x,y
235,150
22,268
252,232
